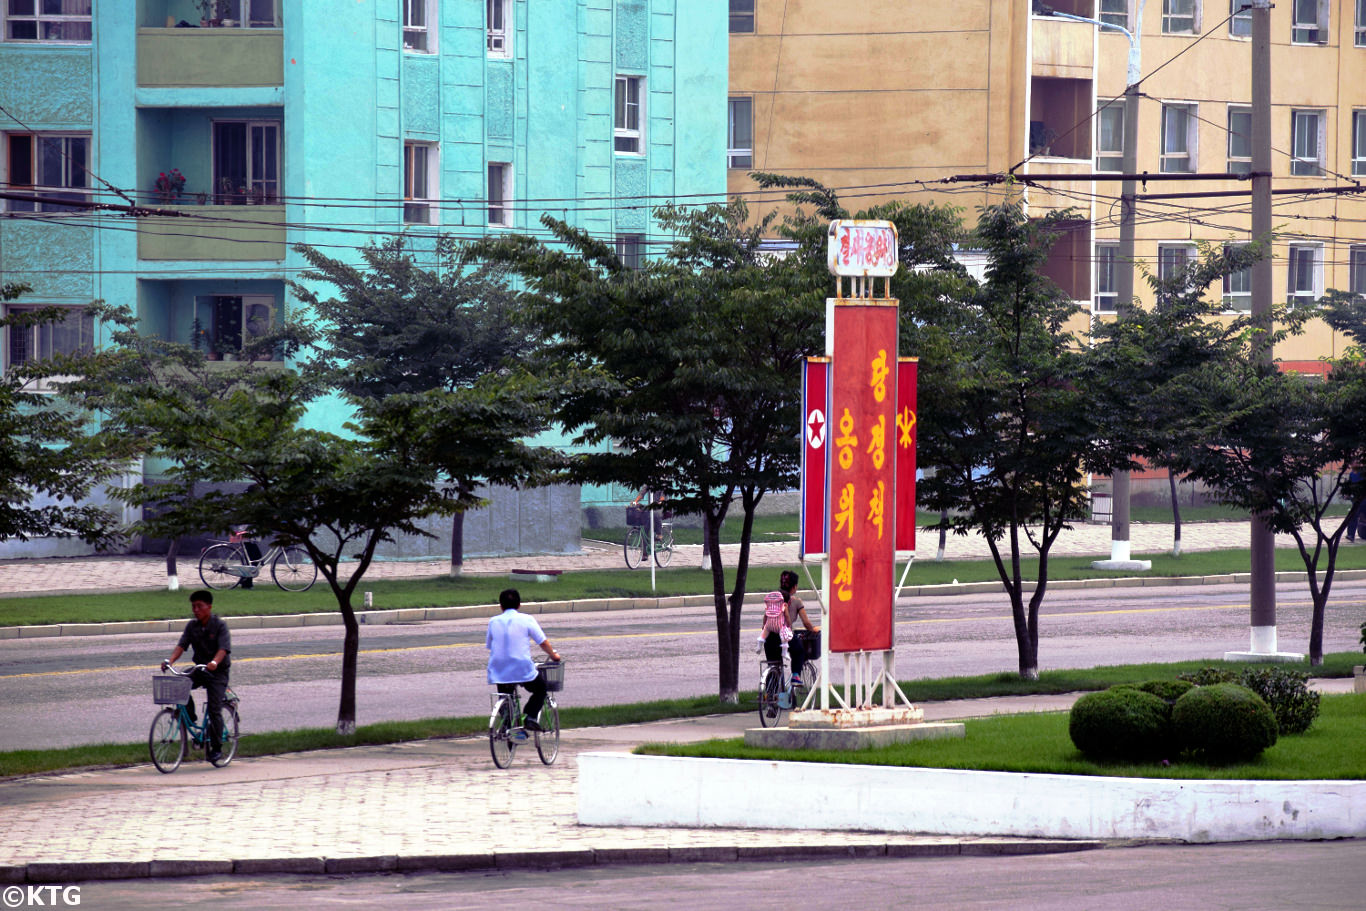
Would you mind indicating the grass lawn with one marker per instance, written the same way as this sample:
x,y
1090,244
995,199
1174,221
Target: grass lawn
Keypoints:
x,y
1331,749
440,591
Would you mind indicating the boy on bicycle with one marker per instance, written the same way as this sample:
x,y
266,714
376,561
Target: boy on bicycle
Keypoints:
x,y
211,644
509,639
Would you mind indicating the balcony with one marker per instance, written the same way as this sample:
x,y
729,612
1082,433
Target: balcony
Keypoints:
x,y
1063,48
214,233
210,57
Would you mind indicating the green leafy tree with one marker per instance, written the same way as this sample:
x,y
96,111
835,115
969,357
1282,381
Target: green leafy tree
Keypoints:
x,y
51,454
239,455
397,328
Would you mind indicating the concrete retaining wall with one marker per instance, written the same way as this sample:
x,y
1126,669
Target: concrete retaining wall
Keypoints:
x,y
625,790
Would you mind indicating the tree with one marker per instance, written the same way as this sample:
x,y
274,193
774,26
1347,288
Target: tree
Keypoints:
x,y
1010,415
398,328
239,455
51,453
1282,446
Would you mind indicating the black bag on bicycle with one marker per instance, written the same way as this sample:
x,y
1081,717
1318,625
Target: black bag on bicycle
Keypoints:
x,y
637,515
811,642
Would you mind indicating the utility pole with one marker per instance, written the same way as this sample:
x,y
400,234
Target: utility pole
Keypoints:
x,y
1262,544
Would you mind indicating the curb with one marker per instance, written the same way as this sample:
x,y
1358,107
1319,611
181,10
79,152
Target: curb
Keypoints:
x,y
480,611
85,871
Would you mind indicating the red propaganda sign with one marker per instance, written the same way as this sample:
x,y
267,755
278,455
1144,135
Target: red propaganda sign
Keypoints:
x,y
861,248
906,435
815,396
862,441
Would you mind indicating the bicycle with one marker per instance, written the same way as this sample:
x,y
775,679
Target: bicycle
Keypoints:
x,y
637,551
507,729
225,564
777,694
173,729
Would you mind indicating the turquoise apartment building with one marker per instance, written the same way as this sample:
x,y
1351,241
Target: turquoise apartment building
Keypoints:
x,y
334,123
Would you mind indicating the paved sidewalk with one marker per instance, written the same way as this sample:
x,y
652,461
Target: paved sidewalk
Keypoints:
x,y
139,573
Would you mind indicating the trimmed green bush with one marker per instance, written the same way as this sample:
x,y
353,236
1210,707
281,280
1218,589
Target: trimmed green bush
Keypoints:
x,y
1208,675
1288,694
1167,690
1122,722
1223,723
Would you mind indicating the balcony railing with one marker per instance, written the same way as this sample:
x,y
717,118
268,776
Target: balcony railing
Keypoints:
x,y
1063,48
200,57
232,233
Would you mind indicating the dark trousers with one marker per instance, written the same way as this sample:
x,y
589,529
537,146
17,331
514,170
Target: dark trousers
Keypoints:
x,y
796,649
215,684
536,687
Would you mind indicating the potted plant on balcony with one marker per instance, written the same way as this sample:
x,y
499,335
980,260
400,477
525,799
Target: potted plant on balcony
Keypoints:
x,y
229,193
169,186
211,12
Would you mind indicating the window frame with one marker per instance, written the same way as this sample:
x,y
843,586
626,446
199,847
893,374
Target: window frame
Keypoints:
x,y
1107,255
249,194
421,209
741,15
1237,299
1167,264
498,41
65,189
251,21
622,108
1190,110
1302,31
735,153
630,249
1356,270
1359,29
39,18
1295,260
1239,164
1359,141
1301,166
502,203
1110,16
1170,19
427,28
85,330
1113,111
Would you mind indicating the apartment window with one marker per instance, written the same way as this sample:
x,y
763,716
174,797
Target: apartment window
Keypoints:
x,y
1172,259
1305,278
1180,17
1239,139
500,193
1110,138
249,13
60,21
499,32
742,16
629,249
1357,271
1178,138
33,343
1359,142
239,319
246,162
1106,293
1241,24
1307,142
1360,40
50,165
1115,12
627,122
740,133
1309,22
419,183
419,26
1238,289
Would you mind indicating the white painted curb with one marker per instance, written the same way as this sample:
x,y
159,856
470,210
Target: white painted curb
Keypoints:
x,y
618,789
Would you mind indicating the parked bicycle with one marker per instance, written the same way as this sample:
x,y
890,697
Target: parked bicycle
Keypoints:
x,y
778,695
226,563
507,729
639,549
173,730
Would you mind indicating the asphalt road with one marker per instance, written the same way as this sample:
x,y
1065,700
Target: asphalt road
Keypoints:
x,y
1306,876
76,690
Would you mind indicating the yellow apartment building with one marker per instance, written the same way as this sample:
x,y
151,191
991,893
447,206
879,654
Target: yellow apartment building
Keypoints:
x,y
889,99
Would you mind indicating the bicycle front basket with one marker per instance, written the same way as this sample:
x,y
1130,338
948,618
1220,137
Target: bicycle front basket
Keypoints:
x,y
170,690
552,672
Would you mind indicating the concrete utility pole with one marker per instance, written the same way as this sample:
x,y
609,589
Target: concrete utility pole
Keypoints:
x,y
1263,586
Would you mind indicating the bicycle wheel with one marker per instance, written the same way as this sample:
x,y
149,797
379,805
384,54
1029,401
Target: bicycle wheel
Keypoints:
x,y
771,712
217,568
808,673
548,737
634,548
501,744
166,740
664,552
228,746
293,569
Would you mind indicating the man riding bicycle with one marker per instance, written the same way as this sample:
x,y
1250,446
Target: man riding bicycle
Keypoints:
x,y
211,645
509,639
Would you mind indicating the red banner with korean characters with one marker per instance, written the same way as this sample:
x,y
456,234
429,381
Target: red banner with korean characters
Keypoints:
x,y
906,435
862,442
815,407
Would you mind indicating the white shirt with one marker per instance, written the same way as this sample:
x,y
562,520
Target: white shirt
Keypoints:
x,y
509,643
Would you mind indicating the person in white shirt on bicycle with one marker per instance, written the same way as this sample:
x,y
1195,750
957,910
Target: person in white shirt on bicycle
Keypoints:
x,y
509,639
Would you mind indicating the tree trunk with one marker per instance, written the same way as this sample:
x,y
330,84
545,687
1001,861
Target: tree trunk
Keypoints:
x,y
457,544
172,579
1176,514
943,535
346,709
728,661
